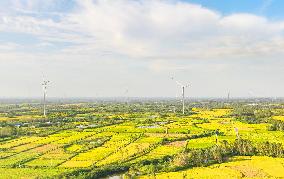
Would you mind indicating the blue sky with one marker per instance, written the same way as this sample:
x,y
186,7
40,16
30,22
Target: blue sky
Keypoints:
x,y
269,8
103,47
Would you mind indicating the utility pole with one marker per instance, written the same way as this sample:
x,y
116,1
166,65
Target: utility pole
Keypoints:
x,y
183,99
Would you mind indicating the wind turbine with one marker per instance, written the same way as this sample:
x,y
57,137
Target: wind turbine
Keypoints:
x,y
182,91
229,95
126,95
44,85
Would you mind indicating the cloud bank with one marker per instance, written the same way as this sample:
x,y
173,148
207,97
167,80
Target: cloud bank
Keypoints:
x,y
160,36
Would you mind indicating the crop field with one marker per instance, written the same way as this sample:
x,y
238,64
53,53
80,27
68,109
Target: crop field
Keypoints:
x,y
86,140
237,167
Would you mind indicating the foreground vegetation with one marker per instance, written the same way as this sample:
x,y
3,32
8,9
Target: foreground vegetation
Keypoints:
x,y
142,139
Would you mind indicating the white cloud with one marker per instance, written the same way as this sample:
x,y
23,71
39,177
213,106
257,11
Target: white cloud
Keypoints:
x,y
161,35
176,30
8,46
152,29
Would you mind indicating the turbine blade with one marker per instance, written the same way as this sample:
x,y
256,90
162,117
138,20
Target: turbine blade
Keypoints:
x,y
179,83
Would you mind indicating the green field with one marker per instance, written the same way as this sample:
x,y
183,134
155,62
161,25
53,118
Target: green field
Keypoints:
x,y
87,140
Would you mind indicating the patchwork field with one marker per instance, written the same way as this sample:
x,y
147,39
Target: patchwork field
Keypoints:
x,y
100,141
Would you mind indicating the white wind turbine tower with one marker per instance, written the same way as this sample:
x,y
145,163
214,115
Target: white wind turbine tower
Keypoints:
x,y
229,96
182,90
44,85
126,95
